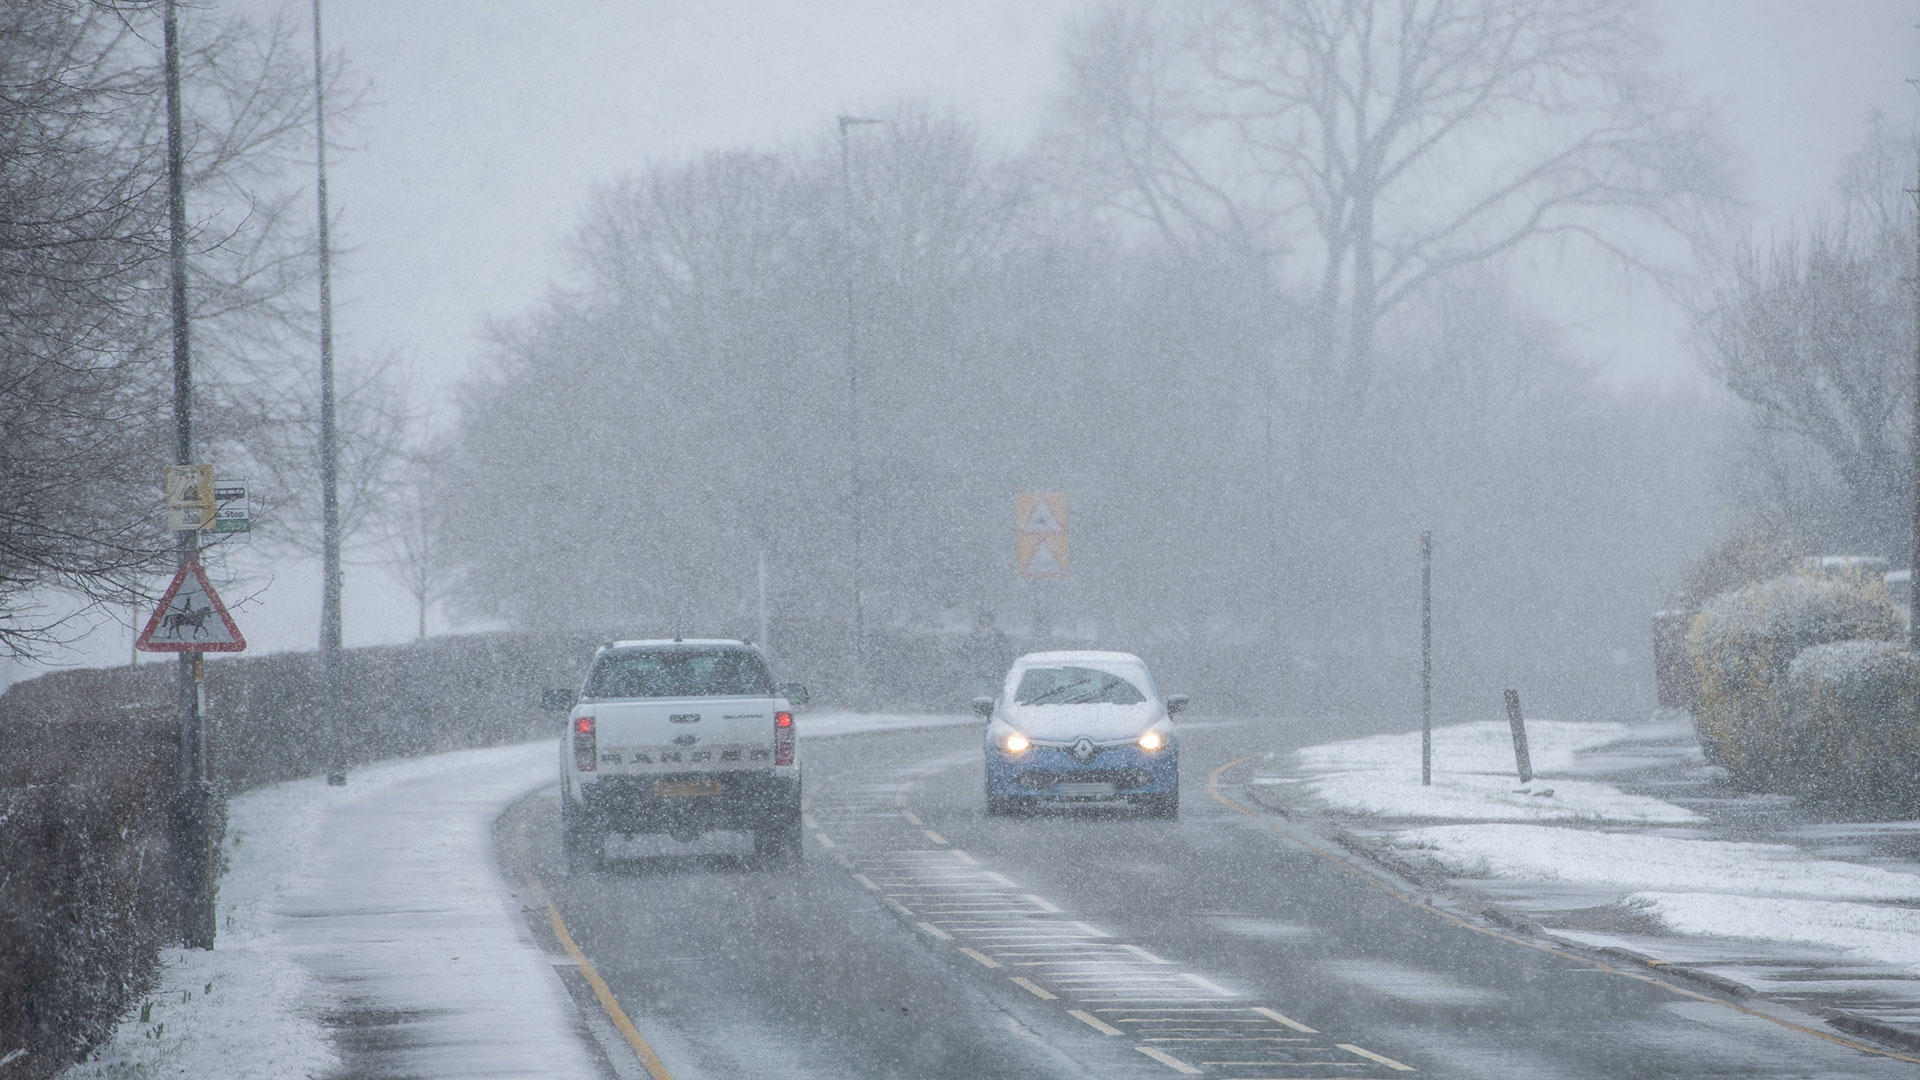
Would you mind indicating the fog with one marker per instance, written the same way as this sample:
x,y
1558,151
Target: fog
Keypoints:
x,y
963,494
1543,415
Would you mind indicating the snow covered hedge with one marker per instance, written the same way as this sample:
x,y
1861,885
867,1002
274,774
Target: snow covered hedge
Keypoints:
x,y
87,758
1851,733
1743,644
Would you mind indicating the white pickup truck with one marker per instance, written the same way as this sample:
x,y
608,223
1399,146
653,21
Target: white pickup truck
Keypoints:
x,y
679,737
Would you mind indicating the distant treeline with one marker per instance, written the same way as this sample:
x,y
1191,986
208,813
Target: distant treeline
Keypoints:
x,y
1236,495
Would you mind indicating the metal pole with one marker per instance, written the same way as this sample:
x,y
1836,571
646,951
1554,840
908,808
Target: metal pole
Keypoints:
x,y
334,674
191,837
1913,442
857,436
1426,658
765,645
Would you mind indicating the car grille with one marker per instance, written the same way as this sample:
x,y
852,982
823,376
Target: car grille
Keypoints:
x,y
1121,779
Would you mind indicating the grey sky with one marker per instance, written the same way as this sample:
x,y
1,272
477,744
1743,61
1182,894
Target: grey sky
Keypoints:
x,y
489,122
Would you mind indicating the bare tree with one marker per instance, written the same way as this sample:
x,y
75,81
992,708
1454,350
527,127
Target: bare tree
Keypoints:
x,y
83,226
1365,148
416,529
1815,334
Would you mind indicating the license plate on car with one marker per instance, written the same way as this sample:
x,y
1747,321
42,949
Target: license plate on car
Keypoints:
x,y
670,789
1101,788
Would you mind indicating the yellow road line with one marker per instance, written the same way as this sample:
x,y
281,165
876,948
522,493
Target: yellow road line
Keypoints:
x,y
1380,1059
656,1068
1265,822
1032,988
866,881
1169,1061
1094,1022
912,820
935,837
936,931
825,840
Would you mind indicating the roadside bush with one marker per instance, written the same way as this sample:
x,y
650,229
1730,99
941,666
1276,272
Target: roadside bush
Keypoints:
x,y
1743,643
89,757
1851,735
83,899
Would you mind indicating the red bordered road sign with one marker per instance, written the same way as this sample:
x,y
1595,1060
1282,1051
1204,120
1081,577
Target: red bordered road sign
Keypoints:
x,y
1040,536
190,618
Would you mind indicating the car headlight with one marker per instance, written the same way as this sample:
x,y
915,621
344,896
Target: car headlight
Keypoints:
x,y
1150,741
1156,737
1016,743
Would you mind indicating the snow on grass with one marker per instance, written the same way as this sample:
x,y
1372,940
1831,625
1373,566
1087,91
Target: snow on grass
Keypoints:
x,y
1718,888
1633,861
1474,776
1869,932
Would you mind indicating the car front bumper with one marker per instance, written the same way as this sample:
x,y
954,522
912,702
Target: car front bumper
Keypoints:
x,y
1045,772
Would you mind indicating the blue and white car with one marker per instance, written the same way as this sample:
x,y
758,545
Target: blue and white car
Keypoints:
x,y
1081,727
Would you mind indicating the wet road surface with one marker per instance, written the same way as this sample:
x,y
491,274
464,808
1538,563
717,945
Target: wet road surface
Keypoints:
x,y
919,938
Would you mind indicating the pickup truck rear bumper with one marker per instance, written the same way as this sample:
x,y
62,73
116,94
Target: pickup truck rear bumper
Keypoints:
x,y
746,801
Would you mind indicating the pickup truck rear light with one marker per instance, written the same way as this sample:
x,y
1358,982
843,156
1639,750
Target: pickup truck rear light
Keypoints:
x,y
585,748
783,738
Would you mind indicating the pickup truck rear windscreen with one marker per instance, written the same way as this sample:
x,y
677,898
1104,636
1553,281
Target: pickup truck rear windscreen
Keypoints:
x,y
679,673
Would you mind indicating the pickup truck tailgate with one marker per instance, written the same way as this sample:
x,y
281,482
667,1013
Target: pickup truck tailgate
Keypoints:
x,y
663,735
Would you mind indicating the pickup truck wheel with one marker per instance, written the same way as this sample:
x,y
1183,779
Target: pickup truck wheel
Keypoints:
x,y
583,843
778,840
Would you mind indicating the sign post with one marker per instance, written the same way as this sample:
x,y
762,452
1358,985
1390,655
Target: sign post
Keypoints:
x,y
1426,659
190,840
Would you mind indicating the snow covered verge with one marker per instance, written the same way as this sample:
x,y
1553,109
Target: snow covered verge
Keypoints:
x,y
1716,888
1590,845
1473,777
375,901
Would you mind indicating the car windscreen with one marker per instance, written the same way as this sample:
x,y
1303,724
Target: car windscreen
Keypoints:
x,y
1075,686
679,673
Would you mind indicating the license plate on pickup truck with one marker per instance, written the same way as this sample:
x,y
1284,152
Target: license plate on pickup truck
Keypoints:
x,y
672,789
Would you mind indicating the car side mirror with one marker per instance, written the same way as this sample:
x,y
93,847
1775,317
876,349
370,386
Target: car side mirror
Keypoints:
x,y
1176,703
983,708
558,700
795,693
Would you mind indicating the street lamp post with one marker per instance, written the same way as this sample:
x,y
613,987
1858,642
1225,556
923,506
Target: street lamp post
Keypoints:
x,y
191,837
333,673
858,446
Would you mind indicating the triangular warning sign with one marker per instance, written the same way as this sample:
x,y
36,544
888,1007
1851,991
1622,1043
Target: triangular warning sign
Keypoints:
x,y
1042,518
1042,562
190,618
1043,555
